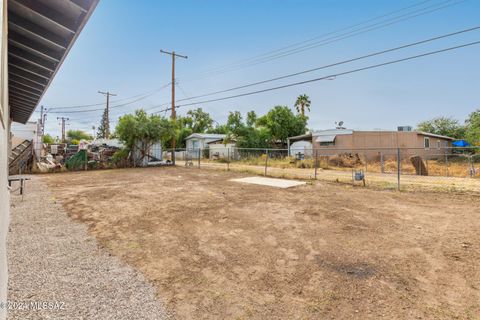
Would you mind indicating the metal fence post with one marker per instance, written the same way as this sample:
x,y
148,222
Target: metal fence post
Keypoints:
x,y
398,168
266,161
471,170
366,164
382,165
316,163
446,164
228,159
199,154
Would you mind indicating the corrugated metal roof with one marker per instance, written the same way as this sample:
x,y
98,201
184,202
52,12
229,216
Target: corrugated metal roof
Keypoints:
x,y
206,136
434,135
41,32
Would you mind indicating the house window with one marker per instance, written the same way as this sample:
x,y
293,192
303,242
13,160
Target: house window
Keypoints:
x,y
426,143
327,143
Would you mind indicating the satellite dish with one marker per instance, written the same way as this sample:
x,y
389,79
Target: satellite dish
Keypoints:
x,y
340,123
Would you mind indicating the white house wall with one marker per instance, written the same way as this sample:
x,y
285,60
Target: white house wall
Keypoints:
x,y
4,151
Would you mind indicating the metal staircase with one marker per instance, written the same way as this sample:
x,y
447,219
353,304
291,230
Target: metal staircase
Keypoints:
x,y
20,161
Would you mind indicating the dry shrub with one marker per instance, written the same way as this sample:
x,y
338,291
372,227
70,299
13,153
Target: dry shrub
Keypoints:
x,y
346,160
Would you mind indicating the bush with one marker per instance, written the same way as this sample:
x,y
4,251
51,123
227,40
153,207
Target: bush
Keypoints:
x,y
48,139
120,155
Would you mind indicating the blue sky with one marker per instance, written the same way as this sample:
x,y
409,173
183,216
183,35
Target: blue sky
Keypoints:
x,y
118,51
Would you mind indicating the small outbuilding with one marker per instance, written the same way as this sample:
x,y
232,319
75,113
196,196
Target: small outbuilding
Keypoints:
x,y
218,149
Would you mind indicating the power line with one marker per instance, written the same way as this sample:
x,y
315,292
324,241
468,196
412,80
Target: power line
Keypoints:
x,y
147,94
321,36
335,64
278,51
101,109
331,76
378,25
350,34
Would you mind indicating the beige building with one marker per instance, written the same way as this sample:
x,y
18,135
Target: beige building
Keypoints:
x,y
374,144
218,149
36,36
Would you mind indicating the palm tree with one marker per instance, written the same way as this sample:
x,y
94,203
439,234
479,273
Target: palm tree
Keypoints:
x,y
302,103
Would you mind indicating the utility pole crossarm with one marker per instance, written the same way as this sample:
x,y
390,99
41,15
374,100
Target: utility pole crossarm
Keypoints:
x,y
173,54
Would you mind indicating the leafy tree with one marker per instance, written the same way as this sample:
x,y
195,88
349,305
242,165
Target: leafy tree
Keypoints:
x,y
472,129
303,102
281,123
48,139
219,129
251,118
78,135
235,123
199,121
181,134
145,128
104,127
443,126
254,138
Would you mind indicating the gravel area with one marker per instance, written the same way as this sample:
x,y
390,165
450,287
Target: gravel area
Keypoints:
x,y
52,258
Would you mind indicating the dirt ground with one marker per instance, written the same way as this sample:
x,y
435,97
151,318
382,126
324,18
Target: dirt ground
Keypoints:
x,y
218,249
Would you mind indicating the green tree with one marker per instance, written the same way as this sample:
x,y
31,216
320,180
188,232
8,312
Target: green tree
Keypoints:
x,y
472,130
219,129
78,135
103,127
444,126
303,102
199,120
281,123
145,128
255,138
251,118
48,139
235,124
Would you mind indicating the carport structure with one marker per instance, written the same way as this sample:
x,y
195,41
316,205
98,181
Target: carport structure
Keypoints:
x,y
36,36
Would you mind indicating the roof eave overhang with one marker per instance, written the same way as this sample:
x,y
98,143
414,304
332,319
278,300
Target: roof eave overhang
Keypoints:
x,y
41,34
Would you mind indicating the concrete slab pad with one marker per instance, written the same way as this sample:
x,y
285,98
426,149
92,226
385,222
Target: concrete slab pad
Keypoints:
x,y
277,183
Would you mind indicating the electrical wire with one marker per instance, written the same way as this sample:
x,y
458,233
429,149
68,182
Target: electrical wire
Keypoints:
x,y
149,93
336,38
335,64
331,75
101,109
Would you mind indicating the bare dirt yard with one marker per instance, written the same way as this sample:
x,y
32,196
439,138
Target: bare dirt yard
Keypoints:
x,y
218,249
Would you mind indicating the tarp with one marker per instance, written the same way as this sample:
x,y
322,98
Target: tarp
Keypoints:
x,y
77,161
461,143
326,138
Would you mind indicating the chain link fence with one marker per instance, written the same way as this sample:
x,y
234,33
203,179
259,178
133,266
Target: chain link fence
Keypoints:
x,y
392,168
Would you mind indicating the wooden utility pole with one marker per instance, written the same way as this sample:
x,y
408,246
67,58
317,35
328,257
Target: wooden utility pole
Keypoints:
x,y
63,123
174,113
106,125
